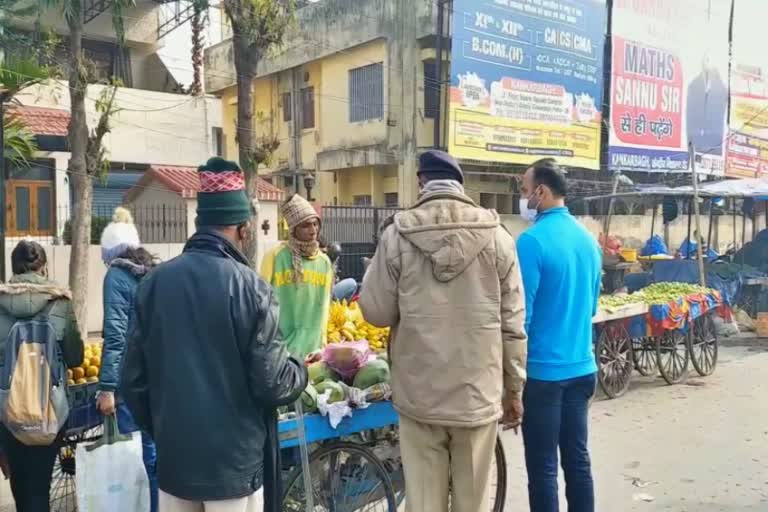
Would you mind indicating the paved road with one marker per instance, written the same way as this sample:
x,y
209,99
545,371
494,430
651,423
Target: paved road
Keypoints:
x,y
697,447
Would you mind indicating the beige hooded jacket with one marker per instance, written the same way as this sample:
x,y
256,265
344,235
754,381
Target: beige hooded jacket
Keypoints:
x,y
445,277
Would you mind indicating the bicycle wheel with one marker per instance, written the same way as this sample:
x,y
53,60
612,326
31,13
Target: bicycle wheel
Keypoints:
x,y
345,477
499,494
498,479
62,495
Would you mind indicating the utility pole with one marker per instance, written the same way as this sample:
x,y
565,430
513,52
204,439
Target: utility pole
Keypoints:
x,y
699,248
439,74
607,222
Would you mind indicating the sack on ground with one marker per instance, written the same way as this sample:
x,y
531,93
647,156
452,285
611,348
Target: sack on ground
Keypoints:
x,y
33,395
111,475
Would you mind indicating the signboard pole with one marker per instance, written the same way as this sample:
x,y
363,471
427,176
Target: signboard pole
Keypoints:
x,y
439,74
699,248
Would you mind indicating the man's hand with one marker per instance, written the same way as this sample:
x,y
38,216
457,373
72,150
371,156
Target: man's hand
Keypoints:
x,y
106,403
512,404
313,357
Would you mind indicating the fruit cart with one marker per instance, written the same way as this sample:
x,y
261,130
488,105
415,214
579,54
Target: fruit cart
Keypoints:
x,y
652,331
356,466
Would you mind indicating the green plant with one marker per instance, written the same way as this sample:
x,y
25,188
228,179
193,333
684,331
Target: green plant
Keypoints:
x,y
98,224
19,144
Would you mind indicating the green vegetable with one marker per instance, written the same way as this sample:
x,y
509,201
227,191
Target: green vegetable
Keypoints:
x,y
319,372
309,399
375,372
656,293
337,392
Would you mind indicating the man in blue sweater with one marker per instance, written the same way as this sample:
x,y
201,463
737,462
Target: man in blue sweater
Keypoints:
x,y
561,266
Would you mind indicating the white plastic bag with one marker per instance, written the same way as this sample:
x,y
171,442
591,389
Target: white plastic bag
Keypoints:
x,y
110,473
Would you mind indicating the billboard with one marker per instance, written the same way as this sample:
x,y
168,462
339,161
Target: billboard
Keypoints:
x,y
748,142
527,80
669,84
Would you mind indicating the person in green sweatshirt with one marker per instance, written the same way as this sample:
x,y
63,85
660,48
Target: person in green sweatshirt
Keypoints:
x,y
302,276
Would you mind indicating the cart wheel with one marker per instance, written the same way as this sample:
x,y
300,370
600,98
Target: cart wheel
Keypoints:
x,y
63,497
644,356
345,477
614,359
703,345
672,356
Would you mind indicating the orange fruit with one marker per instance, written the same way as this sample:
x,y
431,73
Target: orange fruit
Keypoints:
x,y
69,375
70,382
95,361
92,379
92,371
81,381
78,373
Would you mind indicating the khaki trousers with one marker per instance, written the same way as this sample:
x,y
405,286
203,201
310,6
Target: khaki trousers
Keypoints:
x,y
252,503
438,458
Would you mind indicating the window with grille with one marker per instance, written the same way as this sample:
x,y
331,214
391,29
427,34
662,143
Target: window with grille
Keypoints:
x,y
366,93
287,115
308,107
391,200
363,200
431,86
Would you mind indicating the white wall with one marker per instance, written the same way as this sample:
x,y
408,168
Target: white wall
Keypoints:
x,y
151,127
58,269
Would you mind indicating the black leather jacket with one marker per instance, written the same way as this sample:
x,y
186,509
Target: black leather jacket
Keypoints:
x,y
205,370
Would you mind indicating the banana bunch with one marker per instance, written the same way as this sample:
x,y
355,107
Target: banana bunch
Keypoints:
x,y
346,324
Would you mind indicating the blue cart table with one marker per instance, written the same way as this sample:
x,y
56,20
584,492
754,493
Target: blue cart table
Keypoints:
x,y
317,428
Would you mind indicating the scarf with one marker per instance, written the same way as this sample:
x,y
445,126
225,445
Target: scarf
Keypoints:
x,y
442,186
299,251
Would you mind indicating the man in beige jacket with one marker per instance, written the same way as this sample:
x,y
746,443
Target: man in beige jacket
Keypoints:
x,y
445,277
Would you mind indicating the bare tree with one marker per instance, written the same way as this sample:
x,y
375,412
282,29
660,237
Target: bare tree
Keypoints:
x,y
257,27
87,154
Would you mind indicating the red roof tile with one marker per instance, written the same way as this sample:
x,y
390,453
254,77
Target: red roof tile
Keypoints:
x,y
185,182
40,120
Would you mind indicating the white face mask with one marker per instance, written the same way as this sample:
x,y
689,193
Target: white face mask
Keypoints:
x,y
525,212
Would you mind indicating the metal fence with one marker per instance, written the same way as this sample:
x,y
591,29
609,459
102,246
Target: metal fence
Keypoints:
x,y
357,230
157,223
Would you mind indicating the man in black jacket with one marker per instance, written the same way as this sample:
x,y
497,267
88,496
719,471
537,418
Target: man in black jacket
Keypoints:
x,y
205,368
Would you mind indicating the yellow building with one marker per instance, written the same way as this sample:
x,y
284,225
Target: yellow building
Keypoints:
x,y
363,77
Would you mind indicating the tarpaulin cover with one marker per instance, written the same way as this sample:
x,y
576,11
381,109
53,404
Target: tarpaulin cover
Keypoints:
x,y
676,315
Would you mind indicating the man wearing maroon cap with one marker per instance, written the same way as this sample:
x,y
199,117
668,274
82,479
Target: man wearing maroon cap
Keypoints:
x,y
205,368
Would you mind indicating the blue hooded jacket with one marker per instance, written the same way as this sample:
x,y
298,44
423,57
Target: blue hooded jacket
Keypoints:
x,y
120,285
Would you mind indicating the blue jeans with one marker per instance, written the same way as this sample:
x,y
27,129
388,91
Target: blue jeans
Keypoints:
x,y
126,425
556,415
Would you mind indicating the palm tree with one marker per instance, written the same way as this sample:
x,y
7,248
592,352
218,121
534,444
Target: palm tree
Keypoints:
x,y
198,22
19,145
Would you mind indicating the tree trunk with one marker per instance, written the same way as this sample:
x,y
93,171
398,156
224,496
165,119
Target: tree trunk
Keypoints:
x,y
197,51
78,175
245,67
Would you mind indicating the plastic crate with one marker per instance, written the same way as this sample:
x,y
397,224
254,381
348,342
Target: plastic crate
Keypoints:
x,y
83,414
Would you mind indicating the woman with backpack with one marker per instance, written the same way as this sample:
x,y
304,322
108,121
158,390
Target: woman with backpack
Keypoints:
x,y
31,297
127,264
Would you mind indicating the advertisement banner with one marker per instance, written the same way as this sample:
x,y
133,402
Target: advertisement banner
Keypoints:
x,y
748,141
526,81
669,84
